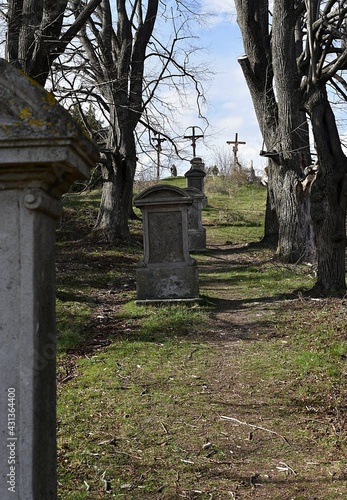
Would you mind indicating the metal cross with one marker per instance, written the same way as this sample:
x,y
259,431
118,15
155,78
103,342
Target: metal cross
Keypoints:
x,y
194,137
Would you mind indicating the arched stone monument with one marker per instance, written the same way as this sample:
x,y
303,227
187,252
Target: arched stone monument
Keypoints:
x,y
167,272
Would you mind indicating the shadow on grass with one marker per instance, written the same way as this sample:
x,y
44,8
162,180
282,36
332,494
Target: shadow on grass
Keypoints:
x,y
238,304
69,296
231,248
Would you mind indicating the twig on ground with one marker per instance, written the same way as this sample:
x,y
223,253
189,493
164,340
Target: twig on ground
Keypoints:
x,y
191,354
164,427
256,427
128,454
286,467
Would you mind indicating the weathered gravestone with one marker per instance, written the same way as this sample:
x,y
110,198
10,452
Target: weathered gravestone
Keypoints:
x,y
196,174
167,272
42,152
196,231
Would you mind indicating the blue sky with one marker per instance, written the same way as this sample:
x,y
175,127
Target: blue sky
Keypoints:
x,y
229,107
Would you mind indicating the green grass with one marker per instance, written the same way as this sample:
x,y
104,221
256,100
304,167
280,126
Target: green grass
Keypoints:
x,y
179,181
122,408
165,320
143,390
245,197
72,319
263,281
237,217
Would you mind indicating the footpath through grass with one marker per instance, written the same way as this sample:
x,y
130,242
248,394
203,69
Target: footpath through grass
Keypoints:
x,y
241,397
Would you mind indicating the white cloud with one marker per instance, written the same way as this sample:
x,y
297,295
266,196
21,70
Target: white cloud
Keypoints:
x,y
219,7
230,109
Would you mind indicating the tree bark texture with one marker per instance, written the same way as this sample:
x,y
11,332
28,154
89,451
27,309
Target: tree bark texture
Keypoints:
x,y
118,172
35,39
117,185
117,64
271,227
267,64
328,196
295,241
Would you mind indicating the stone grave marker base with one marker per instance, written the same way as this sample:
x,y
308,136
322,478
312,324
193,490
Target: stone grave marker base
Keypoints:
x,y
167,285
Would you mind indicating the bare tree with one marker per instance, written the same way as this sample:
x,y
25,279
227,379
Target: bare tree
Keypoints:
x,y
324,54
109,57
37,33
291,55
123,63
283,124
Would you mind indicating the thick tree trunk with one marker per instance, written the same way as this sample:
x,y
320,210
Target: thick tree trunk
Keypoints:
x,y
283,125
270,237
117,64
295,224
112,220
295,240
257,70
118,173
35,38
328,196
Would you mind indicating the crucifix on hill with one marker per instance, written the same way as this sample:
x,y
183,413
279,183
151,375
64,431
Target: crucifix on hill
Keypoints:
x,y
194,137
236,143
158,148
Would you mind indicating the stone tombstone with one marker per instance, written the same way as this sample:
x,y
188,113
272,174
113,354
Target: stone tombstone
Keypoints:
x,y
196,174
196,177
167,272
196,231
42,151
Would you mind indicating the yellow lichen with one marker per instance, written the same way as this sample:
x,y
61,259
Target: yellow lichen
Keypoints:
x,y
31,80
36,123
6,129
25,114
49,97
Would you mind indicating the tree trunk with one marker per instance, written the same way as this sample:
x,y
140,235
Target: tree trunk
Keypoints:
x,y
295,239
257,70
36,37
117,62
112,220
271,228
292,141
328,196
118,173
283,125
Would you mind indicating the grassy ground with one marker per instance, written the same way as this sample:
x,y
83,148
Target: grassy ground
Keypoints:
x,y
241,397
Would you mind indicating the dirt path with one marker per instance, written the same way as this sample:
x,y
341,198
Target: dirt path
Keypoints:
x,y
265,437
277,443
236,317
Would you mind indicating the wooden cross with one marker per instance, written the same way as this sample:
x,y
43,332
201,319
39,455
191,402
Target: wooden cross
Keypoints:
x,y
194,137
236,143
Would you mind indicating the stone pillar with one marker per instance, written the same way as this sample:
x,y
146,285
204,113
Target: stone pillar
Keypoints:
x,y
42,151
196,174
167,272
196,231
